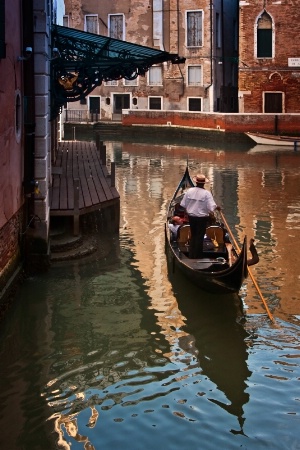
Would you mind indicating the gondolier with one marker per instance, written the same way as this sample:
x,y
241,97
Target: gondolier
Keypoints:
x,y
198,204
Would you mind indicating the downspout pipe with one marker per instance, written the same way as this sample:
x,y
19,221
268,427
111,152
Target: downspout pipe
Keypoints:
x,y
211,45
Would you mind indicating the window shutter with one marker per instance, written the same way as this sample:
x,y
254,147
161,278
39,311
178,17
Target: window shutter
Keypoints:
x,y
194,29
264,43
116,27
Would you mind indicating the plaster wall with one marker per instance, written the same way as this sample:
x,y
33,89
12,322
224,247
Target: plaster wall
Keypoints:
x,y
11,159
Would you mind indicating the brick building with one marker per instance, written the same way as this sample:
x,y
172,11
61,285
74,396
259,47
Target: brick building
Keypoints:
x,y
12,198
204,32
269,56
25,132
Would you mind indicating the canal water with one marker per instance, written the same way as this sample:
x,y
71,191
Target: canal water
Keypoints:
x,y
116,351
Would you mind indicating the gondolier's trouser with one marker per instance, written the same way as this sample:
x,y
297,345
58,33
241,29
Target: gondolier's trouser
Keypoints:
x,y
198,227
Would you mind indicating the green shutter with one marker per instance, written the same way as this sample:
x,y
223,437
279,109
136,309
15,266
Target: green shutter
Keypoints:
x,y
264,43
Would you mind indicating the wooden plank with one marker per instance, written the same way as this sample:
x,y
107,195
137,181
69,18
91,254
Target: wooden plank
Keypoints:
x,y
84,185
76,207
70,178
76,171
88,168
99,178
55,193
63,195
94,169
102,179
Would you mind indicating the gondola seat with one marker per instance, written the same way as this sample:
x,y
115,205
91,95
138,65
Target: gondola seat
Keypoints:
x,y
216,233
183,238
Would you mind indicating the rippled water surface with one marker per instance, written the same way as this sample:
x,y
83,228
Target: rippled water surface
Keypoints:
x,y
119,352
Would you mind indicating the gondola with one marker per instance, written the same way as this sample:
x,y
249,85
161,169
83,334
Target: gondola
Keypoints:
x,y
223,268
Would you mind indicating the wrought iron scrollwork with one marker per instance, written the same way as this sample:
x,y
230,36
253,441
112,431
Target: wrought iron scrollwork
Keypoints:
x,y
86,60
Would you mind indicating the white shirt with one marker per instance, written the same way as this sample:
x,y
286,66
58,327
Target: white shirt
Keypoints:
x,y
173,228
198,202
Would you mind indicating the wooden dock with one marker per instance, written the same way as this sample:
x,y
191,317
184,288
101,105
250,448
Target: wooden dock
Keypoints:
x,y
81,182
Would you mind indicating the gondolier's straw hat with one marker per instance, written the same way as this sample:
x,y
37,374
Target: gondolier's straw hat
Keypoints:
x,y
200,178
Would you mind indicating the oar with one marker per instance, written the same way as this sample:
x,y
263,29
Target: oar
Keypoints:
x,y
249,270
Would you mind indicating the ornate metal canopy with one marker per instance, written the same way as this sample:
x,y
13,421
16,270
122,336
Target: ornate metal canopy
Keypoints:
x,y
81,61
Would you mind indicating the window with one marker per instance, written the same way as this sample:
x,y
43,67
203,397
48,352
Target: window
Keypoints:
x,y
121,101
91,23
154,102
130,82
116,26
155,76
218,31
264,36
194,28
194,75
111,83
66,21
194,104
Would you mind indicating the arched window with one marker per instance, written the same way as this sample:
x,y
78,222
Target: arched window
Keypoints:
x,y
264,36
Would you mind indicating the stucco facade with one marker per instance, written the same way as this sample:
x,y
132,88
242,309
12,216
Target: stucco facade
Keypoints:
x,y
269,56
194,29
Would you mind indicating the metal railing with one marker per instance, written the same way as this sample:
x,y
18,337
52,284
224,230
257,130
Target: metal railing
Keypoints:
x,y
80,115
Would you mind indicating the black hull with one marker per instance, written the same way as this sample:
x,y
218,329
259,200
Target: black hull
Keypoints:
x,y
225,281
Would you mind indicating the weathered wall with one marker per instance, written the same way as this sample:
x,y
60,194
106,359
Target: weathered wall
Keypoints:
x,y
259,75
234,123
162,24
11,144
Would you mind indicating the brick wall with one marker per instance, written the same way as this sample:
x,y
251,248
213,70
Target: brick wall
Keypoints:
x,y
273,74
234,123
10,248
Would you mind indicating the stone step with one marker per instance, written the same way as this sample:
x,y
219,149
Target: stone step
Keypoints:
x,y
87,247
64,242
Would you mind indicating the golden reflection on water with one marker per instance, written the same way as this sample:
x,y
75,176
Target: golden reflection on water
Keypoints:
x,y
261,198
260,194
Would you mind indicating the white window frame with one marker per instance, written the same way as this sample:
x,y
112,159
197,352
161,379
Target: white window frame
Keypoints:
x,y
187,28
256,38
122,38
130,82
189,70
111,83
97,23
198,98
153,78
161,102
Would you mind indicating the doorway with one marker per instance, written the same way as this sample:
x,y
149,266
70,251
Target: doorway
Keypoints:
x,y
121,101
273,102
94,108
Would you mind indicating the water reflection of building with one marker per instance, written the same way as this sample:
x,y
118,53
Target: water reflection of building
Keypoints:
x,y
200,333
259,193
